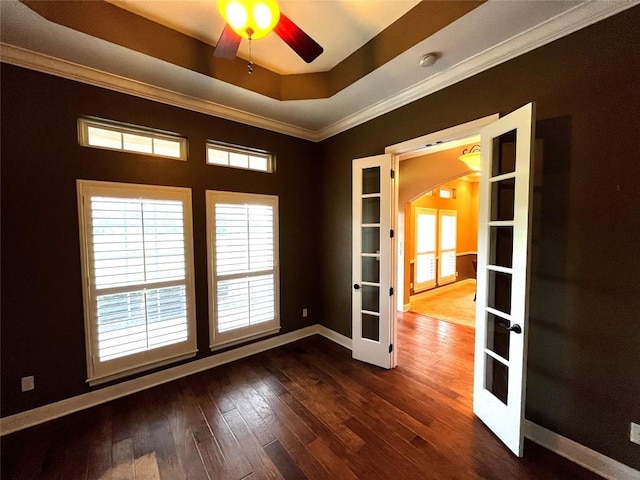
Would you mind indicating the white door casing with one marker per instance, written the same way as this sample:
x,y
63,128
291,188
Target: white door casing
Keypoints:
x,y
373,307
504,232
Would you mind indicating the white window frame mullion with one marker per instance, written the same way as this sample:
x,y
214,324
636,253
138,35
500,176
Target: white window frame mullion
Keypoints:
x,y
138,287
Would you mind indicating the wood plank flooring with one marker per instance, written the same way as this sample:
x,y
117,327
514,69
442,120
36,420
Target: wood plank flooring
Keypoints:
x,y
302,411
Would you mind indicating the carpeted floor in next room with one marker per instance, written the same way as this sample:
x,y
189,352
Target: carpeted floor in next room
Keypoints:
x,y
451,303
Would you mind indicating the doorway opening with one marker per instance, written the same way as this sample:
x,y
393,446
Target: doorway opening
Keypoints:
x,y
428,166
436,220
440,236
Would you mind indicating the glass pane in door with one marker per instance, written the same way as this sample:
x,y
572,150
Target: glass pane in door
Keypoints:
x,y
498,337
371,327
371,298
370,180
499,291
504,154
497,378
502,198
501,253
371,210
370,240
371,269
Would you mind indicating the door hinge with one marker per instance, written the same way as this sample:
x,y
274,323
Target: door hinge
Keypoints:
x,y
391,291
391,233
393,173
391,348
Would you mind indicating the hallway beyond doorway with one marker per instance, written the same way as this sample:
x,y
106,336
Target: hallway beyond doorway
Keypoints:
x,y
452,303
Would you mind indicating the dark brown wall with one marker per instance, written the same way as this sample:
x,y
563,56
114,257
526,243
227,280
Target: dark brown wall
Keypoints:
x,y
584,357
42,315
584,350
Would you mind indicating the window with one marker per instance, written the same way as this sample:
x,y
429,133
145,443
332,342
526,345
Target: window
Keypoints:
x,y
425,245
137,262
447,246
239,157
243,266
129,138
447,193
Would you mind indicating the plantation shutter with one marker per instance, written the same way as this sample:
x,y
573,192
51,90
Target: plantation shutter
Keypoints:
x,y
448,240
244,252
425,267
139,259
139,288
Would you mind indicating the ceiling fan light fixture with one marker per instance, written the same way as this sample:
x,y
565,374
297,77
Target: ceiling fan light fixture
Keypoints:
x,y
250,18
471,157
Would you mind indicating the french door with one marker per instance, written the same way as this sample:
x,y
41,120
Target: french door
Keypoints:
x,y
372,305
503,275
502,278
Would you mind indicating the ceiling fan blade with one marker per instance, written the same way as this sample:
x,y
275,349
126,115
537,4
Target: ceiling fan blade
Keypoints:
x,y
301,43
228,44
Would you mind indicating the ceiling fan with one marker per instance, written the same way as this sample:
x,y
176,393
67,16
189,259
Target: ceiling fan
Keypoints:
x,y
253,19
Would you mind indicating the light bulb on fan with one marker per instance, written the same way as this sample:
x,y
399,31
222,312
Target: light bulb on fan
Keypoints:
x,y
250,18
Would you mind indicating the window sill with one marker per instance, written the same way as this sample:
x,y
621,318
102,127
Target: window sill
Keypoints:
x,y
100,379
247,338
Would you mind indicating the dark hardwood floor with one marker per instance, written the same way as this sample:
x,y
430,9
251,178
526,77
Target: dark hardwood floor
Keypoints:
x,y
305,410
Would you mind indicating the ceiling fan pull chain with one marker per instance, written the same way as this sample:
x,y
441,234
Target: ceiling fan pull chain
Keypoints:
x,y
250,64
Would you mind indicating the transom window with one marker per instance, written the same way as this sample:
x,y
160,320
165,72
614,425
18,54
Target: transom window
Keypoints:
x,y
243,266
130,138
239,157
137,261
447,193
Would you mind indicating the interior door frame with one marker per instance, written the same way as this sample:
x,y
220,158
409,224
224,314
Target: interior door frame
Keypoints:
x,y
428,143
420,146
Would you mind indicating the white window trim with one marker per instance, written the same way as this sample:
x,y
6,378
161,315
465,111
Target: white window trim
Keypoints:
x,y
239,335
83,136
101,372
229,148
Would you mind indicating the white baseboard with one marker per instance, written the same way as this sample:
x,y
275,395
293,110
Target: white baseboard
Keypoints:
x,y
335,336
577,453
590,459
64,407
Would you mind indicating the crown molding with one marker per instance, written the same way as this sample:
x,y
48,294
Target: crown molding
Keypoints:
x,y
72,71
557,27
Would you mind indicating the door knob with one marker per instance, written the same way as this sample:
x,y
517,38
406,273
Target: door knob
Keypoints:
x,y
356,286
515,328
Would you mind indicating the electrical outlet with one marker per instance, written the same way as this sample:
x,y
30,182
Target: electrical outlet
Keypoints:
x,y
634,436
304,313
27,383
